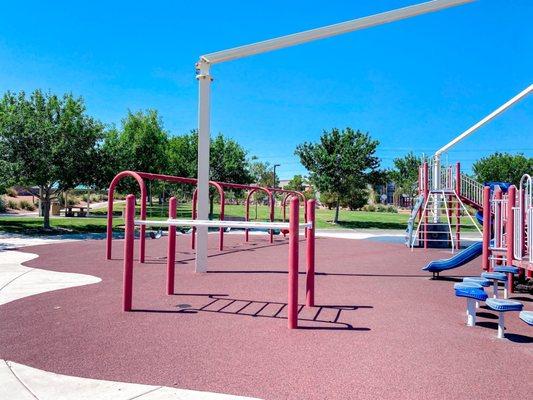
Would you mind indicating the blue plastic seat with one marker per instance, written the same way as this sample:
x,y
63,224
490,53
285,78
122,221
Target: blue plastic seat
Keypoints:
x,y
509,269
476,279
526,316
470,291
497,276
504,305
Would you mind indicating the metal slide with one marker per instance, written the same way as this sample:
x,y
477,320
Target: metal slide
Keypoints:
x,y
412,219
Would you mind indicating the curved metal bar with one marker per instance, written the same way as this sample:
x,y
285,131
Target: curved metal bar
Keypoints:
x,y
271,206
221,193
109,237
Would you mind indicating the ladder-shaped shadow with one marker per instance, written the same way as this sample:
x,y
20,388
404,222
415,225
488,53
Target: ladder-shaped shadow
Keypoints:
x,y
327,317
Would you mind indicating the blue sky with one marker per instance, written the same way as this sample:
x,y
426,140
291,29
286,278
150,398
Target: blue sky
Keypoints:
x,y
412,84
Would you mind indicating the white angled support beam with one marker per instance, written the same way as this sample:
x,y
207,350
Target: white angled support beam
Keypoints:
x,y
520,96
330,30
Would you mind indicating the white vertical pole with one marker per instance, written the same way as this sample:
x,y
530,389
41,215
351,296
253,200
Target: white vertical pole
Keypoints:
x,y
204,109
470,312
501,326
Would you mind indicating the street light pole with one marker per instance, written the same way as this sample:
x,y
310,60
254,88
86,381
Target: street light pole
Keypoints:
x,y
275,165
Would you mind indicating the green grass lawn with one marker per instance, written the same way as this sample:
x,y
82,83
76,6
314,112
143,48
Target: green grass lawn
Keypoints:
x,y
348,219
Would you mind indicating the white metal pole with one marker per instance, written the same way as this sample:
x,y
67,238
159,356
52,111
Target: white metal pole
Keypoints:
x,y
204,105
501,325
488,118
470,312
263,47
330,30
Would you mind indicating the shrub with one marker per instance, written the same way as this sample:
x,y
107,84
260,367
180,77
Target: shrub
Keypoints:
x,y
26,205
392,209
12,204
11,192
2,205
369,208
381,208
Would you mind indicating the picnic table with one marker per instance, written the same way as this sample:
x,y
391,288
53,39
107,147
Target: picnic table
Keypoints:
x,y
75,211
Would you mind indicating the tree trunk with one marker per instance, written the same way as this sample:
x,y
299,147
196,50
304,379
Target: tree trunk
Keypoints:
x,y
150,202
211,206
336,218
46,208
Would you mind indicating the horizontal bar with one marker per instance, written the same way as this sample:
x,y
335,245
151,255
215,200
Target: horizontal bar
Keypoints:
x,y
329,31
220,224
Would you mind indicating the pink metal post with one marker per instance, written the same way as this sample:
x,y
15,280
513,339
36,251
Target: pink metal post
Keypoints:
x,y
509,232
110,194
128,252
271,210
498,194
310,277
292,303
486,228
457,205
221,194
171,249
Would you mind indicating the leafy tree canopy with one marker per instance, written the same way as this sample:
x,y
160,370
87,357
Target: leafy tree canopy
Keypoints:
x,y
405,174
49,142
340,161
503,167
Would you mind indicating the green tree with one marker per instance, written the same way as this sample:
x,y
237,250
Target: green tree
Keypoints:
x,y
503,167
228,164
139,145
405,174
263,173
49,141
298,183
339,162
182,155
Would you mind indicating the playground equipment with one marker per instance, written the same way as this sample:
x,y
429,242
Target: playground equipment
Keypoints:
x,y
502,306
445,197
512,230
446,193
293,228
205,78
141,177
473,292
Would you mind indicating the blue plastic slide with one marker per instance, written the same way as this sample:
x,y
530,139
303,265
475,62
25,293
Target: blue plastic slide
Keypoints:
x,y
457,260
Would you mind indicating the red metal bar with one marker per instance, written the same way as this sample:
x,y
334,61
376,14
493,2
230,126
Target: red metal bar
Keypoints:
x,y
271,207
310,256
457,205
110,194
221,194
193,216
171,248
292,302
509,232
498,205
127,291
486,228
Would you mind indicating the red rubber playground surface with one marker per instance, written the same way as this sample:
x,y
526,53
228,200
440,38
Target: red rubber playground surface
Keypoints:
x,y
383,330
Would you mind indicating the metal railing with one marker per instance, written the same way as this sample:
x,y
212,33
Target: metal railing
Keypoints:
x,y
471,190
